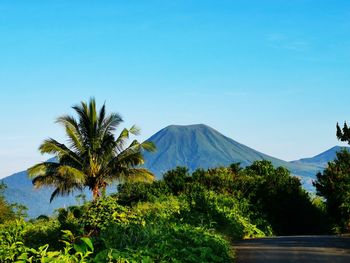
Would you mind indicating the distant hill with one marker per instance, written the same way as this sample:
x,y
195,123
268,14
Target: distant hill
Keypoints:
x,y
193,146
20,190
321,160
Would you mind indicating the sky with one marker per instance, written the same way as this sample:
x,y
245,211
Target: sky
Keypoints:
x,y
273,74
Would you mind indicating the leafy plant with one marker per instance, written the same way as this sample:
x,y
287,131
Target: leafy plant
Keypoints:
x,y
13,249
164,243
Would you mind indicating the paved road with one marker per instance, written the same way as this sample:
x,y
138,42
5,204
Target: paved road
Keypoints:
x,y
308,249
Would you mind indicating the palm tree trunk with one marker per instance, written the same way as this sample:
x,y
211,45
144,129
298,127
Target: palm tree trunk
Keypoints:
x,y
95,192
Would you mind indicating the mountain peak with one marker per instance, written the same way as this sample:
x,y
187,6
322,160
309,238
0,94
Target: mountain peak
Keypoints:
x,y
198,146
188,127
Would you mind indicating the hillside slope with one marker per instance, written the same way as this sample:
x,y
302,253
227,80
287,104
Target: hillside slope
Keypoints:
x,y
321,160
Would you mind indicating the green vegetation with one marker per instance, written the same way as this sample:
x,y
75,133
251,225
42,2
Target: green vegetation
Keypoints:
x,y
334,185
9,211
94,157
182,218
6,211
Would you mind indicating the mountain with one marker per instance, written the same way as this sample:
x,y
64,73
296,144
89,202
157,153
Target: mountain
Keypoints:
x,y
193,146
200,146
321,160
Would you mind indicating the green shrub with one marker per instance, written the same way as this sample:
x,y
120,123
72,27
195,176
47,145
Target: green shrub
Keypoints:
x,y
219,180
221,212
13,249
161,210
42,232
163,243
9,211
176,179
131,193
11,236
104,211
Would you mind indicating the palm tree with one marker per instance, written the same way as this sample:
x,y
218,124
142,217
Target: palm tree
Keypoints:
x,y
94,157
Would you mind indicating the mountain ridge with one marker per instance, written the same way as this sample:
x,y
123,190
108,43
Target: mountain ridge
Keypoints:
x,y
323,158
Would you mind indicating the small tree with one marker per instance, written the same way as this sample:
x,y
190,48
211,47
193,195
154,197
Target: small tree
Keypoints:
x,y
343,134
334,185
9,211
5,209
277,194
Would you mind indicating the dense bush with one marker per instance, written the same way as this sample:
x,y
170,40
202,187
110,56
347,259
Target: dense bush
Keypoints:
x,y
164,243
149,231
182,218
131,193
40,232
13,249
279,197
176,179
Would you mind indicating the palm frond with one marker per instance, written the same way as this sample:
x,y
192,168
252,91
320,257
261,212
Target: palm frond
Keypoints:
x,y
71,175
135,130
148,146
84,122
49,179
63,190
136,175
55,193
52,146
101,115
122,138
42,169
131,155
111,122
72,131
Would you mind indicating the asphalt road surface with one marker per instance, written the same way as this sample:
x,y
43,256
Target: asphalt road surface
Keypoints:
x,y
308,249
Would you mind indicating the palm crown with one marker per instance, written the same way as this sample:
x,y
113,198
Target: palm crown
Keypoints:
x,y
94,157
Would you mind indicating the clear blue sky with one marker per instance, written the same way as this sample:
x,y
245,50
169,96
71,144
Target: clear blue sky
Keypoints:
x,y
273,75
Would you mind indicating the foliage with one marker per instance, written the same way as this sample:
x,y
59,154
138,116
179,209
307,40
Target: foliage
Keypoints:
x,y
40,232
219,180
131,193
221,212
6,212
13,249
94,157
334,185
266,196
11,236
101,213
343,134
176,179
182,218
279,197
147,232
164,243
